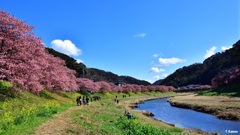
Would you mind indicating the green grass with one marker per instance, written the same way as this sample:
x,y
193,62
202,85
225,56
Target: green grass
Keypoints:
x,y
229,90
97,118
6,91
106,117
134,127
23,113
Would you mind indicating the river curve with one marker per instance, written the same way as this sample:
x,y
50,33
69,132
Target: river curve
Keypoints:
x,y
186,118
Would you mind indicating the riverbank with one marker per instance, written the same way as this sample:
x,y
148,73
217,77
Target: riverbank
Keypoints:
x,y
223,107
147,116
107,117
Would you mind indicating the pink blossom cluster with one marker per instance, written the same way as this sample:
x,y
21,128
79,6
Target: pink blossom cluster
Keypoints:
x,y
227,77
87,85
25,63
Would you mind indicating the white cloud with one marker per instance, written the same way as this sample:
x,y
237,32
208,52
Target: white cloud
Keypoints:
x,y
66,47
170,61
165,75
210,52
157,77
224,48
157,70
151,81
155,55
141,35
79,61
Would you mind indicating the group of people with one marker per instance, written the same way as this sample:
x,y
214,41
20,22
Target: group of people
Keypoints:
x,y
127,114
116,100
95,98
81,101
124,96
85,100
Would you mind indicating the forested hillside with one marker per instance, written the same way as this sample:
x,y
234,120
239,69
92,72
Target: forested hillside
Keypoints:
x,y
203,73
71,63
94,73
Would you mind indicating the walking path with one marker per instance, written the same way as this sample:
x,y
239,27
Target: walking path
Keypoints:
x,y
58,124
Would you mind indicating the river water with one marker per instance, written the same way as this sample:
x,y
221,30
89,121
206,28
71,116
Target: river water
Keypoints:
x,y
186,118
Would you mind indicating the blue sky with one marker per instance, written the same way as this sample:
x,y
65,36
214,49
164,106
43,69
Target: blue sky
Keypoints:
x,y
145,39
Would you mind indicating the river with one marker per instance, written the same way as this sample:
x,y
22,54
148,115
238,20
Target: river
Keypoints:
x,y
186,118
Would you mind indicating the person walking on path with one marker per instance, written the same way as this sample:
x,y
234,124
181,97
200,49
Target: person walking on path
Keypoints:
x,y
87,100
78,100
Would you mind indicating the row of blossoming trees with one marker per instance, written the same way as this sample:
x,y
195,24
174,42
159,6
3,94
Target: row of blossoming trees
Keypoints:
x,y
88,85
24,62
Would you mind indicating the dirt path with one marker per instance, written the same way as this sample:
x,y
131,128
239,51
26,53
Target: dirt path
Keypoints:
x,y
58,124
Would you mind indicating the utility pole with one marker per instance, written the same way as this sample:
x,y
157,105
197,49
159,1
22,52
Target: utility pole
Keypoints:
x,y
83,73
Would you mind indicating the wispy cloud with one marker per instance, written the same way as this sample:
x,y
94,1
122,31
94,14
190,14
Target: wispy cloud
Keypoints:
x,y
79,61
169,61
210,52
151,81
224,48
165,75
156,77
66,47
157,70
155,55
152,62
140,35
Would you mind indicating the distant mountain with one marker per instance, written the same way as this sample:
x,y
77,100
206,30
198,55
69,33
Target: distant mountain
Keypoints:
x,y
203,73
94,73
101,75
158,82
131,80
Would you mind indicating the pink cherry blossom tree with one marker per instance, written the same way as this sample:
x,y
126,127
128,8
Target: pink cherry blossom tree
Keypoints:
x,y
143,88
25,63
104,86
86,85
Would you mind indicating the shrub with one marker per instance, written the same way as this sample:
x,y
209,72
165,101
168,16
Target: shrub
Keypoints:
x,y
48,109
133,127
6,89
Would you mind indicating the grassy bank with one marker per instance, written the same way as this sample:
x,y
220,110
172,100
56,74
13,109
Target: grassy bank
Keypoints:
x,y
223,107
222,101
21,113
229,90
